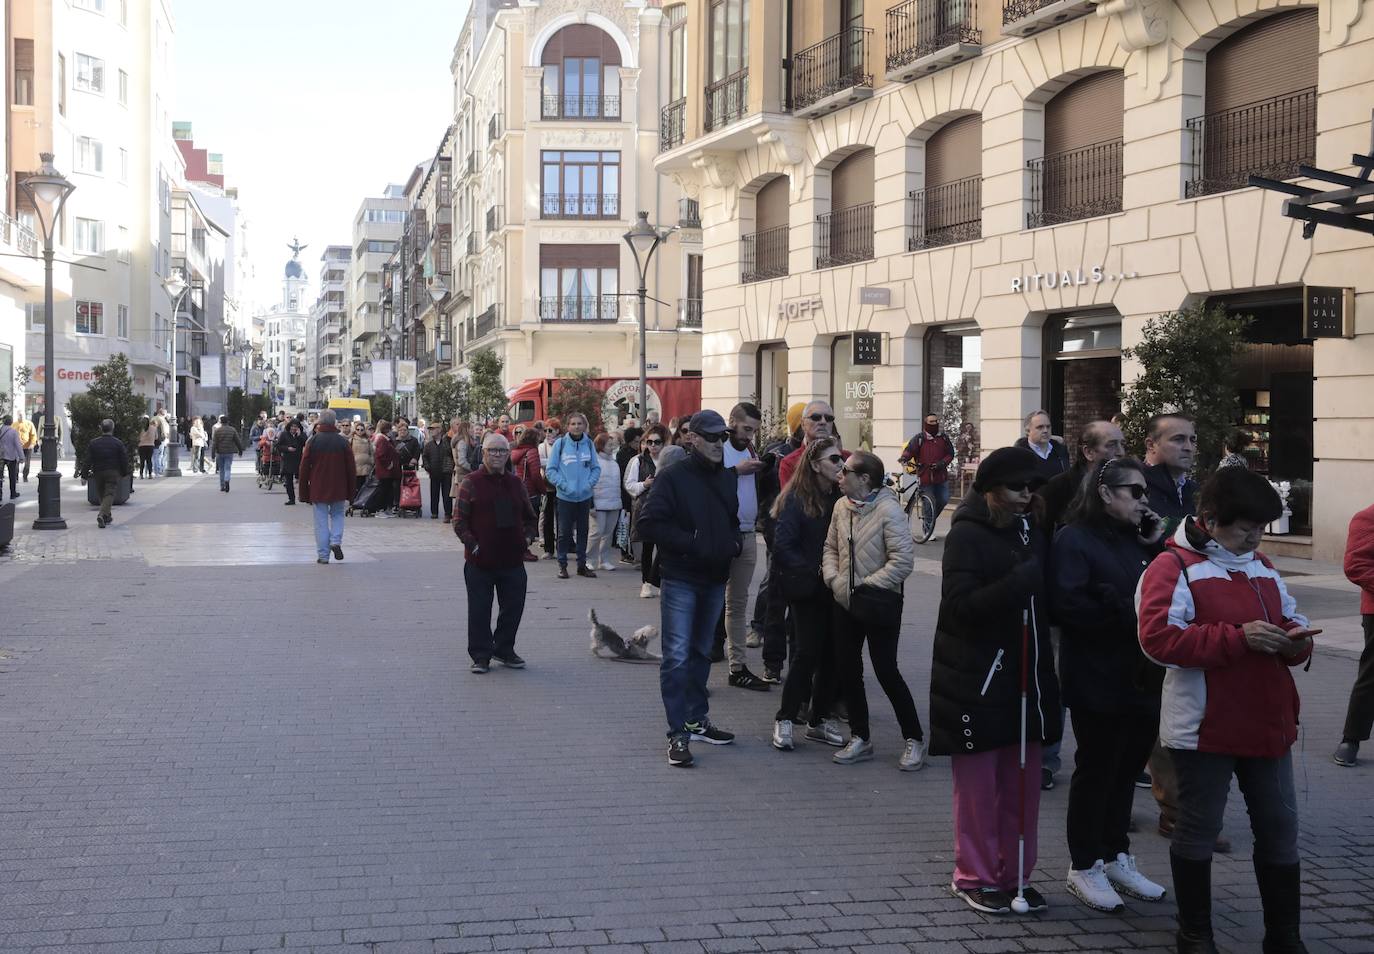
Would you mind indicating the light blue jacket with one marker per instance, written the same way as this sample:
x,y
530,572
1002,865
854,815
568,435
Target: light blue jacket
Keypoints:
x,y
573,468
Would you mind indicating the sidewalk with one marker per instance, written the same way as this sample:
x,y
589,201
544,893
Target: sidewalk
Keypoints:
x,y
212,743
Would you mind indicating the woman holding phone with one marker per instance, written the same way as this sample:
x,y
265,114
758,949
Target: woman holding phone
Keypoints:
x,y
1213,609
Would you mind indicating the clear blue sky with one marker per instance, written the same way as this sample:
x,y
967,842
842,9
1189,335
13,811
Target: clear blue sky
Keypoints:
x,y
314,105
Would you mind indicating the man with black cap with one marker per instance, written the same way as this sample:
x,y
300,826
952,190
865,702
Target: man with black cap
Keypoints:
x,y
692,517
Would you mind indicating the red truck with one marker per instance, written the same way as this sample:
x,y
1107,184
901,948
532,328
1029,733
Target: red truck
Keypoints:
x,y
671,397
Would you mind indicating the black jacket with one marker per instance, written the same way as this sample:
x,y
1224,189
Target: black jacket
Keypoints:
x,y
1096,568
622,460
437,456
407,451
1052,466
1059,493
1166,500
769,486
799,539
107,452
990,577
692,516
290,446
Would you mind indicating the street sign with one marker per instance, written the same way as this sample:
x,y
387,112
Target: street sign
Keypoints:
x,y
1328,312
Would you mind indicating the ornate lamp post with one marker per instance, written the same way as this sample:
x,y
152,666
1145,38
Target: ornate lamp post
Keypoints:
x,y
176,287
644,240
48,189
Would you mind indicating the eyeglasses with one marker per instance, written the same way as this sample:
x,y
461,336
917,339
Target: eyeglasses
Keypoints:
x,y
834,458
712,438
828,418
495,450
1138,491
851,472
656,442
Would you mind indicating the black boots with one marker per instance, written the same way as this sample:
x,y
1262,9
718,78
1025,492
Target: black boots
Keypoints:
x,y
1193,892
1280,888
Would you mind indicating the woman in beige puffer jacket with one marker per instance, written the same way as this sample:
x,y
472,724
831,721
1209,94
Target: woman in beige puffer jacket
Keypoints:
x,y
870,517
362,452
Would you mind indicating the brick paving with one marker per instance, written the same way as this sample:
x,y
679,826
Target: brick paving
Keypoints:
x,y
215,745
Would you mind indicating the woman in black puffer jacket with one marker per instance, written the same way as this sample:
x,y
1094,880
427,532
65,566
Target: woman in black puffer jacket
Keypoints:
x,y
993,578
290,446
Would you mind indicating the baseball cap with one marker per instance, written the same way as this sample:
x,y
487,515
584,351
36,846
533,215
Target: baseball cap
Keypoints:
x,y
706,422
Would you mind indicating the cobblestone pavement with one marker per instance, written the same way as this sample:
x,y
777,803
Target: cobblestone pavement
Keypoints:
x,y
211,743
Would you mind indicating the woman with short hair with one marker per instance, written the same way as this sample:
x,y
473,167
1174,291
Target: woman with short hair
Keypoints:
x,y
605,504
639,477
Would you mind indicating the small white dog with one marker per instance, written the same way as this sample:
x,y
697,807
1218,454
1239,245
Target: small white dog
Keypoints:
x,y
635,649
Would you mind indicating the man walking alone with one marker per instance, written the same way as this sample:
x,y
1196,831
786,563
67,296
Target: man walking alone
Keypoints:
x,y
328,476
226,443
107,460
492,519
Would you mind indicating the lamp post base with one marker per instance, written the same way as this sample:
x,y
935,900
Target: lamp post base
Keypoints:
x,y
49,502
173,468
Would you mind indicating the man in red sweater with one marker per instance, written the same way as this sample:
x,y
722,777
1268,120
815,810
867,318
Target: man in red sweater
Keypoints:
x,y
1359,569
818,420
492,516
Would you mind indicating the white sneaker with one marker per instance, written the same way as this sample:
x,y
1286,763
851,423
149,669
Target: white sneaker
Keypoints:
x,y
646,592
856,750
828,732
1126,879
1092,888
608,565
782,735
913,756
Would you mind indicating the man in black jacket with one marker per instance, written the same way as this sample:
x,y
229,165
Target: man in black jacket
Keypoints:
x,y
692,517
1170,449
107,461
1100,441
1051,457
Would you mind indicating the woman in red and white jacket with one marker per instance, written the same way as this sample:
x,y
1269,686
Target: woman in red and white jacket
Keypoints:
x,y
1215,612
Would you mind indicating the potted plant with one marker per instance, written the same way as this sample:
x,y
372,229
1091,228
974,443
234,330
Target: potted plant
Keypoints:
x,y
110,395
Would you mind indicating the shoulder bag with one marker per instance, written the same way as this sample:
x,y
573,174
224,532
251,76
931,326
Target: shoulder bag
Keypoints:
x,y
868,603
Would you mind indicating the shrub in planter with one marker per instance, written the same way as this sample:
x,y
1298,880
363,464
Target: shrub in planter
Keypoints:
x,y
111,394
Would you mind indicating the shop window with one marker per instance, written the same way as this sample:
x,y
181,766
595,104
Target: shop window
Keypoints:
x,y
1082,374
771,374
851,395
954,390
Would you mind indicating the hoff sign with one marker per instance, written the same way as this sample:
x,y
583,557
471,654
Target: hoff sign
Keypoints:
x,y
799,308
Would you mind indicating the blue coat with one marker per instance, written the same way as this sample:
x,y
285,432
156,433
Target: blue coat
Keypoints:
x,y
573,468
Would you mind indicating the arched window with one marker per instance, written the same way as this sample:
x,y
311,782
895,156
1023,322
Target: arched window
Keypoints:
x,y
581,74
1079,175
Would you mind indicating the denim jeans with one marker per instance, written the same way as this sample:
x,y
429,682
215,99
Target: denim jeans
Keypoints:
x,y
329,526
160,458
939,493
224,463
1204,780
690,611
508,588
573,522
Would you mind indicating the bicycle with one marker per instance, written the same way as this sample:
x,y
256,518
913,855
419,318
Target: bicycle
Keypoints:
x,y
917,504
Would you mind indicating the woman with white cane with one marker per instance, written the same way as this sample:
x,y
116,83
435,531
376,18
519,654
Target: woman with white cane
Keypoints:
x,y
994,697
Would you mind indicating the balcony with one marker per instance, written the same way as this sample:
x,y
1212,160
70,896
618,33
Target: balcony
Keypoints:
x,y
471,243
689,313
580,107
496,221
763,255
470,166
924,36
844,236
688,214
432,359
672,125
1025,17
726,101
580,205
1079,184
19,237
1270,138
832,74
485,323
496,128
946,214
596,309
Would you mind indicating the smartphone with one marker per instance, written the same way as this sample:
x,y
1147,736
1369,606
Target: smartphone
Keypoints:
x,y
1301,633
768,459
1148,525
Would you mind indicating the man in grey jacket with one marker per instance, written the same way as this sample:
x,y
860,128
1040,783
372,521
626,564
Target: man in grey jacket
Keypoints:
x,y
11,452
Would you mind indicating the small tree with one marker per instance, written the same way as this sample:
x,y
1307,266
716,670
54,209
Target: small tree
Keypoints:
x,y
442,398
382,407
110,395
486,394
578,395
1188,364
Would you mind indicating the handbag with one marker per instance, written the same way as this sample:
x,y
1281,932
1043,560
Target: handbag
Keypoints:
x,y
622,531
868,603
798,585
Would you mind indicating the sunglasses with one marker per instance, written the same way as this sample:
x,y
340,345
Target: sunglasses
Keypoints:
x,y
1138,492
1016,486
713,438
851,472
828,418
834,458
654,443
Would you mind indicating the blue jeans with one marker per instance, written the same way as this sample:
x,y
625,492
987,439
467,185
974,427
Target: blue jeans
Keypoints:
x,y
573,521
160,458
939,493
224,463
329,524
690,611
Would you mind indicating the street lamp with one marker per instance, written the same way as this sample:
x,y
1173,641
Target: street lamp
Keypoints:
x,y
644,240
48,189
176,287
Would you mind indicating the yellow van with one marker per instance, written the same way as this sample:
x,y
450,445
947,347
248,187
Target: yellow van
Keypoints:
x,y
351,409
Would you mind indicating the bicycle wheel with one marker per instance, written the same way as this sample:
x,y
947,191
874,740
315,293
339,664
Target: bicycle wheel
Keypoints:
x,y
920,511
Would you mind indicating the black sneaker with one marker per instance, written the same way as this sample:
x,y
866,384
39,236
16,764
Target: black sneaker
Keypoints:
x,y
985,900
1143,780
744,679
1046,780
480,666
1347,754
511,660
1035,900
773,676
679,754
562,571
708,733
100,521
338,551
586,571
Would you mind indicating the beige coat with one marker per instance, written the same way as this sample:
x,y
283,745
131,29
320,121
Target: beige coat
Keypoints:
x,y
884,555
362,453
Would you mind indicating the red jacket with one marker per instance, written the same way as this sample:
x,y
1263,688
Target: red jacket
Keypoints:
x,y
1359,557
933,454
386,462
789,463
524,463
1219,696
327,470
493,518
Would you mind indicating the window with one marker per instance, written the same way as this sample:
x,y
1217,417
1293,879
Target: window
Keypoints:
x,y
123,250
95,6
23,72
33,316
581,75
90,73
61,85
123,88
677,52
90,236
729,38
123,12
90,317
579,283
122,321
90,155
123,164
580,185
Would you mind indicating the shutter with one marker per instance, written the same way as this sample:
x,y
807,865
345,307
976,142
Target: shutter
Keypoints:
x,y
1088,112
772,206
1272,57
578,40
579,256
955,151
851,182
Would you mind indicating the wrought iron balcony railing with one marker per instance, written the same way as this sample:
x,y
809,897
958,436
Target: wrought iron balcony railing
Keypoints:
x,y
496,220
763,255
580,205
1016,11
835,64
581,107
918,28
688,213
689,312
946,214
1073,185
727,100
485,323
593,308
1270,138
844,236
495,127
672,125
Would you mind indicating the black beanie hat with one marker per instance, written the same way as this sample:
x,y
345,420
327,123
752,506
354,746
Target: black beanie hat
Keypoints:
x,y
1004,466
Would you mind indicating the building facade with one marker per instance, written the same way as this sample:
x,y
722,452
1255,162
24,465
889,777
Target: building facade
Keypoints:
x,y
325,344
973,209
201,254
377,229
281,356
554,136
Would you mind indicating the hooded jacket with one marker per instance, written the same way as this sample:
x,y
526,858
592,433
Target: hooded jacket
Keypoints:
x,y
991,576
1219,695
362,453
574,468
691,515
884,554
